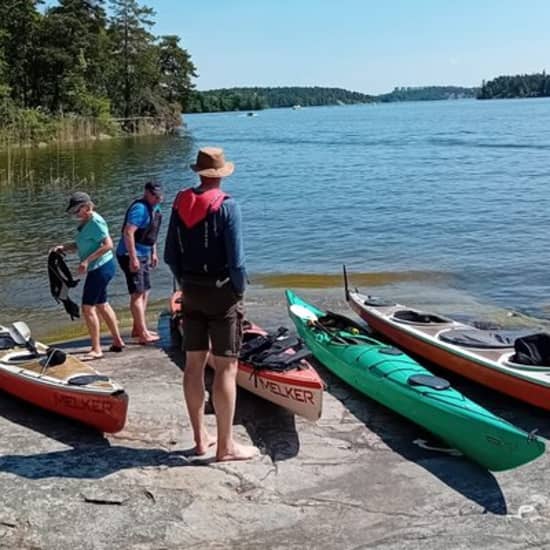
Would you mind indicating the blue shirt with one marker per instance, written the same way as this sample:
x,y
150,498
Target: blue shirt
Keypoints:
x,y
138,216
90,238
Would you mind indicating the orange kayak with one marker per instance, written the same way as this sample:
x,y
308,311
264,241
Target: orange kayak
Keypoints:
x,y
273,366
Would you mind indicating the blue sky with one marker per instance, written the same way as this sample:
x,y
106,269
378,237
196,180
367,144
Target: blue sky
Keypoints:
x,y
367,46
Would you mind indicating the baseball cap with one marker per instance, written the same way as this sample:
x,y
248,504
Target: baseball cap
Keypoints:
x,y
77,199
154,187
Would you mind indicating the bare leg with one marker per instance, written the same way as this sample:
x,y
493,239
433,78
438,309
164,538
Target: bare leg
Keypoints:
x,y
145,302
224,398
194,391
109,316
138,304
92,322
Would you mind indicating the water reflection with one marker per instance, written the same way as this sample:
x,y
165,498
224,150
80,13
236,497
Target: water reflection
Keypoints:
x,y
32,205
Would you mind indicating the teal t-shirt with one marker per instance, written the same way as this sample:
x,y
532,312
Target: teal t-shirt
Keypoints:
x,y
90,237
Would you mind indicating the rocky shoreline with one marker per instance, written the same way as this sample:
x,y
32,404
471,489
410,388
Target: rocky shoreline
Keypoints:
x,y
357,478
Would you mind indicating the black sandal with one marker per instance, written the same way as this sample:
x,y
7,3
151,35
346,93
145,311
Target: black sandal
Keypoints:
x,y
116,349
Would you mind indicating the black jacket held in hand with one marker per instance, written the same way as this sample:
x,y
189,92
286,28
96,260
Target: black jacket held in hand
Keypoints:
x,y
61,280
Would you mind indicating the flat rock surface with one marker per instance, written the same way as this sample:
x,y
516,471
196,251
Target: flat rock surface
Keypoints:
x,y
354,479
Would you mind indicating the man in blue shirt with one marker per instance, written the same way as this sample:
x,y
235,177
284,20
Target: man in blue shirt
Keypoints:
x,y
137,252
205,253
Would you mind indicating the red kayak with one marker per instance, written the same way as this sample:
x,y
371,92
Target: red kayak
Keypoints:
x,y
56,381
273,366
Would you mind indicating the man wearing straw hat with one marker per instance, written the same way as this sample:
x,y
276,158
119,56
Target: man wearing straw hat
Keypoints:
x,y
205,253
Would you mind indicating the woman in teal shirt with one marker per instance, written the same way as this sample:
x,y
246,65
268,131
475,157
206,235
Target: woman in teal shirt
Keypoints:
x,y
95,250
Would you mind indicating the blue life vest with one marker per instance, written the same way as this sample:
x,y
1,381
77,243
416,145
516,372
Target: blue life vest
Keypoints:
x,y
146,235
200,233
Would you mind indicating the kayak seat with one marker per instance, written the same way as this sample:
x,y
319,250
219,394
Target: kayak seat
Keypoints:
x,y
418,317
6,341
54,357
429,381
475,338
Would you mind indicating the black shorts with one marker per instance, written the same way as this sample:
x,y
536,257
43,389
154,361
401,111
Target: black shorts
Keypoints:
x,y
138,281
212,319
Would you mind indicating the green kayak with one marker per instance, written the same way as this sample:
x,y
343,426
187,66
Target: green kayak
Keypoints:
x,y
384,373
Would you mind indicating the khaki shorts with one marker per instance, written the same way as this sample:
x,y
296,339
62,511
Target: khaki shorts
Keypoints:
x,y
212,319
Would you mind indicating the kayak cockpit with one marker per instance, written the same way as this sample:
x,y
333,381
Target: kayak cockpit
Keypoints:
x,y
376,301
414,317
481,339
531,351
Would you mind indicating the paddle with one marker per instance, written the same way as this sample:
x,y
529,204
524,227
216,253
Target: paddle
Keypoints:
x,y
21,334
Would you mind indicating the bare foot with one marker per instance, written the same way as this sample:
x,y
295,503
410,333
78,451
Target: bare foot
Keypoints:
x,y
148,340
91,356
202,448
149,333
238,452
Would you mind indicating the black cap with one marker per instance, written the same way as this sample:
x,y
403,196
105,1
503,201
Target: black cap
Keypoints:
x,y
78,198
153,187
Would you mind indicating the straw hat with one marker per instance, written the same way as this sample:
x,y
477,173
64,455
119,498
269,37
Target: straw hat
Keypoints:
x,y
211,163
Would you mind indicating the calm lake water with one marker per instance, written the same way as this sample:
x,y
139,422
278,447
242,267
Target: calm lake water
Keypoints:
x,y
439,203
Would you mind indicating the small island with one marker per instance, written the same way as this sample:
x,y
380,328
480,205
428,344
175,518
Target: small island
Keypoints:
x,y
518,86
427,93
257,98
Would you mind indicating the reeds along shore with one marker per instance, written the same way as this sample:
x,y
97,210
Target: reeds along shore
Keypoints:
x,y
40,131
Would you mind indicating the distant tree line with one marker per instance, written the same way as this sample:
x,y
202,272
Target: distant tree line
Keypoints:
x,y
525,85
75,59
250,99
427,93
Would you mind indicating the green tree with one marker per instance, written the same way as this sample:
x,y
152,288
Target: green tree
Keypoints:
x,y
19,22
176,71
72,54
136,72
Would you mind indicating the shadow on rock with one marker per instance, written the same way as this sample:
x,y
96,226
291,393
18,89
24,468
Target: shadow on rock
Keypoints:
x,y
62,429
91,457
271,428
88,462
458,472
